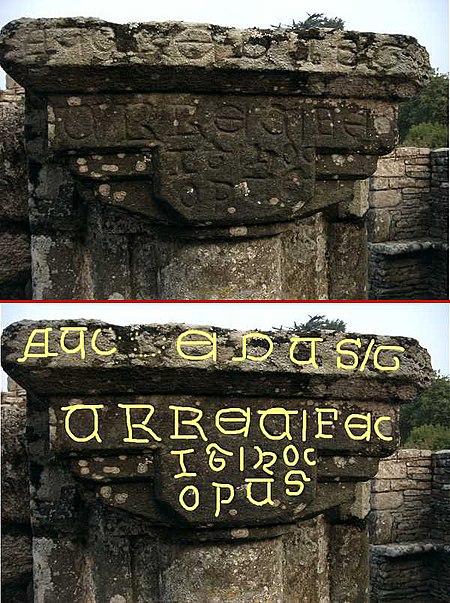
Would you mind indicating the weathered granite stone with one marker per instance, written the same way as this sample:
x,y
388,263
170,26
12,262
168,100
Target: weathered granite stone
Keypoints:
x,y
408,225
16,558
215,141
173,503
410,542
15,485
15,257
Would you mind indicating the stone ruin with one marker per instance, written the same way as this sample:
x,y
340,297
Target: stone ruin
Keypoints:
x,y
131,504
409,527
191,161
408,225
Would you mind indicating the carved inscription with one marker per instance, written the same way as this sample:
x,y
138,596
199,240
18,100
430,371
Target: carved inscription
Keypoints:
x,y
222,160
216,459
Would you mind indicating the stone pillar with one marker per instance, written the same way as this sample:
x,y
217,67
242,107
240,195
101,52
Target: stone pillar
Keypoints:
x,y
152,459
174,160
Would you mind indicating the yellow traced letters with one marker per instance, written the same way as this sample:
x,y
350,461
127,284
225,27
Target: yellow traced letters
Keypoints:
x,y
245,418
210,340
194,422
37,344
193,490
142,425
354,365
96,349
222,501
312,355
263,480
282,412
246,356
381,348
366,425
321,422
220,463
184,471
295,482
80,347
376,428
73,408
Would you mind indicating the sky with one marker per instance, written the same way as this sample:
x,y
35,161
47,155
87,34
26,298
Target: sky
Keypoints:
x,y
426,322
427,20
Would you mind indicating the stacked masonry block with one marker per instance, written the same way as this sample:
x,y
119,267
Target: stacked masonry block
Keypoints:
x,y
409,528
408,225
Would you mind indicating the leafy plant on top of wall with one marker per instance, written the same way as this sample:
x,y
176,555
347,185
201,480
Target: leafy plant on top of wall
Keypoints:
x,y
425,423
423,120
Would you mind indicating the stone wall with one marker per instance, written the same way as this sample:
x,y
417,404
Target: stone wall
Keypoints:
x,y
439,221
16,530
408,225
15,257
410,528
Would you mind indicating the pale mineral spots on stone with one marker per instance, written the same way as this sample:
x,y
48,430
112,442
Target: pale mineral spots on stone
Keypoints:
x,y
74,101
106,491
117,599
238,231
119,195
243,188
113,470
240,533
231,210
104,190
110,167
339,160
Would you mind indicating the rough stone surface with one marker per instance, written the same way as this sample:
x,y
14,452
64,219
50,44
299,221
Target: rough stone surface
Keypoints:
x,y
388,64
15,494
107,521
15,257
16,529
16,558
409,528
408,225
209,162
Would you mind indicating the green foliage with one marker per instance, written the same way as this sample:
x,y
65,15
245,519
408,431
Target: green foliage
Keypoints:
x,y
433,136
428,417
429,110
315,21
320,322
429,437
